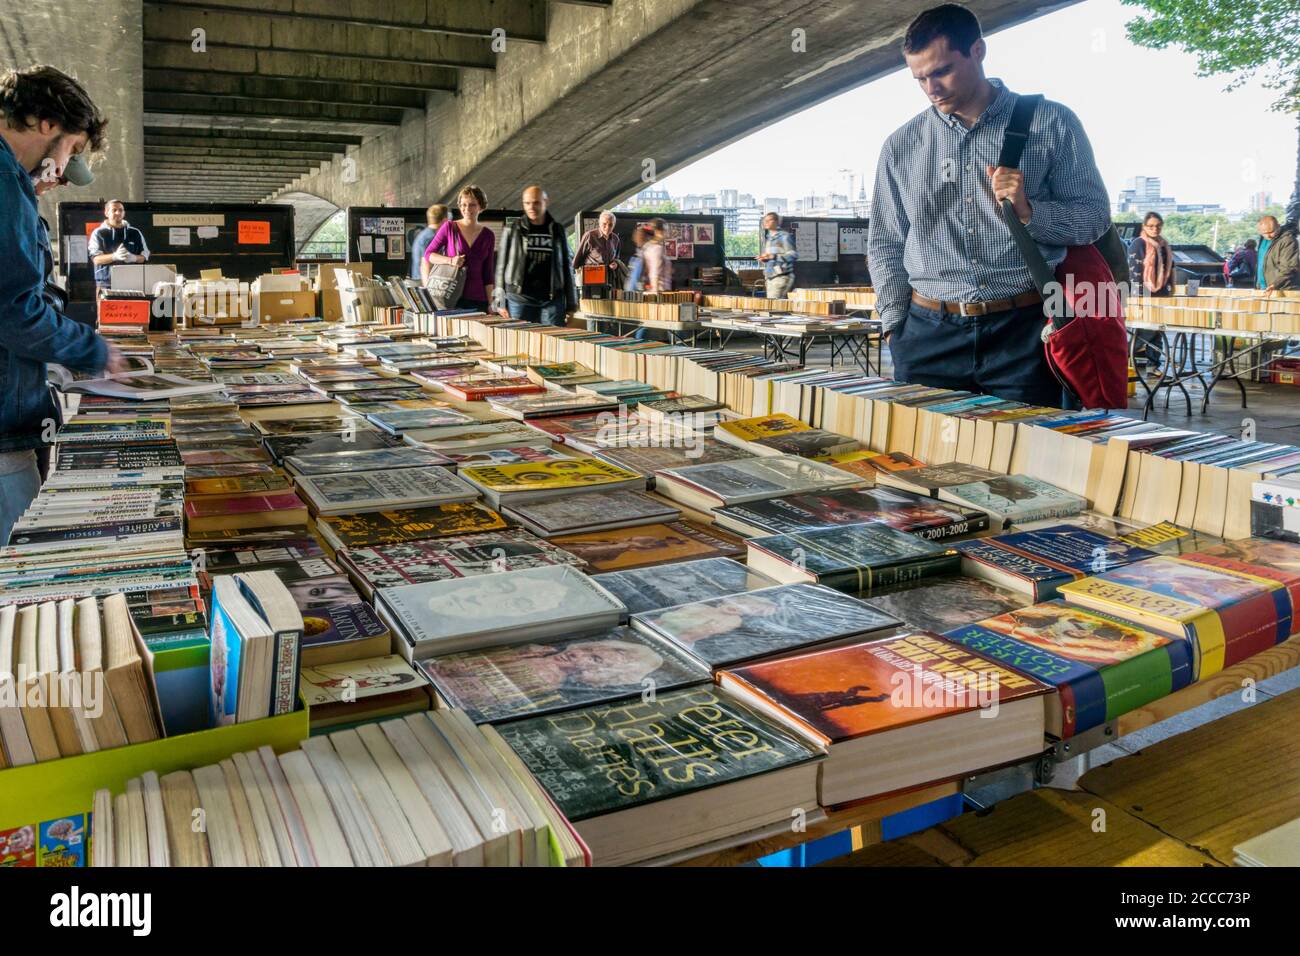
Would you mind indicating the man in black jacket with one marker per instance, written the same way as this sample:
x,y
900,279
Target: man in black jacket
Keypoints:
x,y
534,276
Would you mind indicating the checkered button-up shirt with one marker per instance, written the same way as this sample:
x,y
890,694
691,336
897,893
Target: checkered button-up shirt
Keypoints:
x,y
935,226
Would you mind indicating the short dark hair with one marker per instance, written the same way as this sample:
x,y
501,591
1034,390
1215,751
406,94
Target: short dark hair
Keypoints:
x,y
1251,243
44,93
952,21
1153,215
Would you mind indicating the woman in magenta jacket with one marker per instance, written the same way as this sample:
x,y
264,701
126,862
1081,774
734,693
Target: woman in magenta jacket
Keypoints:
x,y
467,242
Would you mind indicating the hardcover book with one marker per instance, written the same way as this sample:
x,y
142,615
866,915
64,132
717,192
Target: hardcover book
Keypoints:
x,y
441,559
1012,498
693,450
1225,615
378,459
1101,666
619,549
899,712
443,617
945,603
505,683
856,558
710,486
591,511
548,479
366,689
667,585
362,491
928,479
902,510
762,623
366,439
407,524
1036,563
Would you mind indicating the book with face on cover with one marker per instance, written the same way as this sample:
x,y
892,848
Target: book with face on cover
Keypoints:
x,y
442,617
902,510
899,712
362,491
504,683
440,559
768,621
944,603
362,689
1102,666
705,487
667,585
591,511
407,524
1035,563
1012,498
619,549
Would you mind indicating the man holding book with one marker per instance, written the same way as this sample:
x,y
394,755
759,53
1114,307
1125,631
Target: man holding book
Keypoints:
x,y
957,303
46,119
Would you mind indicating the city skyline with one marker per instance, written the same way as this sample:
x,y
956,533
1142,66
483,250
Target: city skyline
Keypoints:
x,y
1128,141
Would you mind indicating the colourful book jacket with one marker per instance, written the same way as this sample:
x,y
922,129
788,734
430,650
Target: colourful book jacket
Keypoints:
x,y
549,475
1101,666
898,509
1038,562
855,558
408,524
609,757
1015,498
1226,615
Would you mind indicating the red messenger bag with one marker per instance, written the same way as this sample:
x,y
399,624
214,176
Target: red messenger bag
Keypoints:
x,y
1085,338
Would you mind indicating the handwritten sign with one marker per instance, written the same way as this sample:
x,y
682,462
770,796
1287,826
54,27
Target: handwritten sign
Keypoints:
x,y
254,232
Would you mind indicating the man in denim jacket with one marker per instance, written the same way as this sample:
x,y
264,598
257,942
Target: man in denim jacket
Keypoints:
x,y
778,258
46,118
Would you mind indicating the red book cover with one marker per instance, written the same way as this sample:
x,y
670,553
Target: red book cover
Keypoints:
x,y
1261,558
477,391
247,504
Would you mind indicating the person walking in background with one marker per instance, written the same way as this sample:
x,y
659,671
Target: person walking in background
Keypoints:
x,y
658,267
1279,258
636,265
1239,270
467,243
534,274
956,301
600,247
778,257
46,118
115,242
433,217
1151,261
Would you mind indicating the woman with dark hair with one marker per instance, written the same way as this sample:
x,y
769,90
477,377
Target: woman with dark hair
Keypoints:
x,y
1151,262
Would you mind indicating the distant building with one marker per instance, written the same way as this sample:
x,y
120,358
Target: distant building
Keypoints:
x,y
730,219
777,204
647,197
1261,201
749,219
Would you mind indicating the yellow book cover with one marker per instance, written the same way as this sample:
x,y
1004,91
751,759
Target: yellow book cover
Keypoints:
x,y
561,473
764,426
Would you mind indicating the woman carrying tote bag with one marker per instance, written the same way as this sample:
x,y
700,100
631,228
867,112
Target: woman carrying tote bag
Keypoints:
x,y
461,260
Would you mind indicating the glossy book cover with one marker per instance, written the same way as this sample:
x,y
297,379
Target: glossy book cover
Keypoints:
x,y
902,510
1050,557
666,585
618,549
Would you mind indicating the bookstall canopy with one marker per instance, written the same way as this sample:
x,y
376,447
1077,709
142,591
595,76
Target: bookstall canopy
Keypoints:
x,y
831,251
692,240
382,235
243,241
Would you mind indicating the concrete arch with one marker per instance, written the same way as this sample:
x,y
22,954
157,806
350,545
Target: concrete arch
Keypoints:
x,y
309,213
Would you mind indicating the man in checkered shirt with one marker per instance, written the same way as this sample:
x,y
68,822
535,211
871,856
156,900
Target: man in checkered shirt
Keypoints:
x,y
955,298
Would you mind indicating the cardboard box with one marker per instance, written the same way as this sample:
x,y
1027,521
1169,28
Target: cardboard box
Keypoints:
x,y
207,274
331,305
280,283
284,305
139,278
328,278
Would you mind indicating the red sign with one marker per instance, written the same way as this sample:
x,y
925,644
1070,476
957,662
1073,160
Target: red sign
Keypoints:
x,y
254,232
124,312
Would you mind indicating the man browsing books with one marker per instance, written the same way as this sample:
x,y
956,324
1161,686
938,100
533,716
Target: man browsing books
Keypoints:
x,y
957,303
46,118
534,275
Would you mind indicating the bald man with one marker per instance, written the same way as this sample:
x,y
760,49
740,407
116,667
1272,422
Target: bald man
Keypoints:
x,y
534,277
1279,257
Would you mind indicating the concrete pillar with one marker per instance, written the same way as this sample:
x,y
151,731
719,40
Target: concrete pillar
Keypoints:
x,y
101,44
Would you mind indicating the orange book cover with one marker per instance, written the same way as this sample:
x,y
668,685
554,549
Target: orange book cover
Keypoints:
x,y
619,549
848,692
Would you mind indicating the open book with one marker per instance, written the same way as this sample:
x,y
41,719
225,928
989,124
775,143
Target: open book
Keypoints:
x,y
145,384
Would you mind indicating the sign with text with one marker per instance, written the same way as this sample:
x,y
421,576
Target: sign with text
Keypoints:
x,y
254,232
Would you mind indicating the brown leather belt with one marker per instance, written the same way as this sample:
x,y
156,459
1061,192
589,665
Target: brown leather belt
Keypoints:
x,y
1033,297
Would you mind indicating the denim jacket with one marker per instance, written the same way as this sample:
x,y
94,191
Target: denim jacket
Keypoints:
x,y
32,332
780,243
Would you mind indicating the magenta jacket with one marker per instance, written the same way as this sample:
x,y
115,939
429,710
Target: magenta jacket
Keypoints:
x,y
480,258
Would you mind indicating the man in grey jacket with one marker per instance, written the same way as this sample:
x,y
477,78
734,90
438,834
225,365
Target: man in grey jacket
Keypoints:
x,y
1279,257
534,277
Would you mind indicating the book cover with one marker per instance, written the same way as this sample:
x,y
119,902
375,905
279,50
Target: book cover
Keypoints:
x,y
441,559
928,479
375,490
618,549
763,426
242,505
667,585
1015,498
366,439
1227,616
902,510
1102,666
858,558
375,460
559,515
408,524
351,681
753,478
548,475
847,692
753,624
1043,560
945,603
808,443
673,454
610,757
505,683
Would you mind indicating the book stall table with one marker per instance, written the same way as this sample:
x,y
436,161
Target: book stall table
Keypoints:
x,y
679,333
1179,366
848,346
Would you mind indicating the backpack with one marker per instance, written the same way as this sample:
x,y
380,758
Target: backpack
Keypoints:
x,y
1089,358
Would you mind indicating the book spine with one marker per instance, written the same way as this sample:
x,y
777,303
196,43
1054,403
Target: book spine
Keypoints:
x,y
288,650
974,525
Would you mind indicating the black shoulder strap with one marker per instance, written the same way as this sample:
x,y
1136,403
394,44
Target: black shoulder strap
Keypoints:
x,y
1013,140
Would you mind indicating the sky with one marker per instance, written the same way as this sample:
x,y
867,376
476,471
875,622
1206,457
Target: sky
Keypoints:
x,y
1205,144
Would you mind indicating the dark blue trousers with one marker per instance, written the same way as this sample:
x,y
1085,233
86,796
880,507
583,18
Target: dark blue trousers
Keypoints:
x,y
999,354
